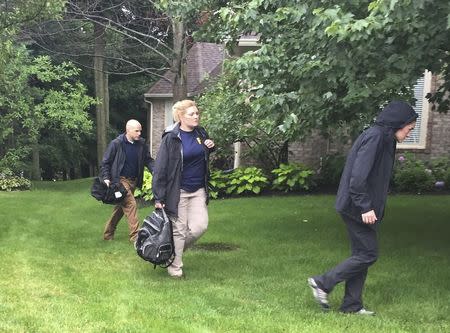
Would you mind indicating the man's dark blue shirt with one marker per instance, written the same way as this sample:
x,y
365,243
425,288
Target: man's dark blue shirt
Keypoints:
x,y
130,168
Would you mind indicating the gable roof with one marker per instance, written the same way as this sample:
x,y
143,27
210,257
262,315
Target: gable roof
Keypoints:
x,y
204,60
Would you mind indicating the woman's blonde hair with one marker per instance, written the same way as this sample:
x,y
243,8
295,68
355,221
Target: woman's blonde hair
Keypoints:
x,y
180,107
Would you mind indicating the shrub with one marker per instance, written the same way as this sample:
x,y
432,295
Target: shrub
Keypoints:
x,y
146,191
247,180
292,177
10,182
440,168
446,178
331,169
412,175
218,183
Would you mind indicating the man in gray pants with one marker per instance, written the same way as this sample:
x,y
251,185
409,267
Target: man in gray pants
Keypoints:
x,y
361,200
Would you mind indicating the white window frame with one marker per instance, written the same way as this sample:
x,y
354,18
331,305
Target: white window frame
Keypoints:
x,y
422,121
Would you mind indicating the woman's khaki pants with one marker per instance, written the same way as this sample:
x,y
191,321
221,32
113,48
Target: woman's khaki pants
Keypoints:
x,y
191,223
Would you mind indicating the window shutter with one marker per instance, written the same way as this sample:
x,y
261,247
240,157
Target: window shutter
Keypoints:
x,y
417,138
414,137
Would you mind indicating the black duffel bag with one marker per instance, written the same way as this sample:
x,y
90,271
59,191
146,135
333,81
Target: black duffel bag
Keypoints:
x,y
112,194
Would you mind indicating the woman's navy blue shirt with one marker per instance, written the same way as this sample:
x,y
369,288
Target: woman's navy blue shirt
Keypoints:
x,y
194,167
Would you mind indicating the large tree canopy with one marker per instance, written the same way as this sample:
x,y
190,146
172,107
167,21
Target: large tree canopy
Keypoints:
x,y
322,63
16,13
38,100
122,41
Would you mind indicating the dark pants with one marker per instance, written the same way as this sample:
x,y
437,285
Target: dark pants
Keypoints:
x,y
353,270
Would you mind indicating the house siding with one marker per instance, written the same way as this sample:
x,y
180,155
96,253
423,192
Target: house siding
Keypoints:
x,y
158,124
437,142
311,151
204,64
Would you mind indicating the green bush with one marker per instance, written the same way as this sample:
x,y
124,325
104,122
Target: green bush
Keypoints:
x,y
412,175
446,178
247,180
11,182
292,177
440,167
331,170
146,191
218,183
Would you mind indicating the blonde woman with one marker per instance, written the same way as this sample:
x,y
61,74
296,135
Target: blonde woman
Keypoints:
x,y
180,179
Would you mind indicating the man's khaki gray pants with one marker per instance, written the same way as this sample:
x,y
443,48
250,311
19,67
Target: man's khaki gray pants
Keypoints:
x,y
128,207
191,223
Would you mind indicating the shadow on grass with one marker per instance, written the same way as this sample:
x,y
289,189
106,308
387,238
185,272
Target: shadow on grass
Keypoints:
x,y
215,247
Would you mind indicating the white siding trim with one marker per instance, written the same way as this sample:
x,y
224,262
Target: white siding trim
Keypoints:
x,y
168,117
418,138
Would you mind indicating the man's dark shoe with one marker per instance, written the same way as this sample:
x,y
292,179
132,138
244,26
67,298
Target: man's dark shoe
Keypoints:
x,y
320,296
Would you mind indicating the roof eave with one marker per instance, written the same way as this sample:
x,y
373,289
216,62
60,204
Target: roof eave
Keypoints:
x,y
151,95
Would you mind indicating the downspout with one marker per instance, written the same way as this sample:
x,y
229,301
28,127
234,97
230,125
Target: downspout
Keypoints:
x,y
150,128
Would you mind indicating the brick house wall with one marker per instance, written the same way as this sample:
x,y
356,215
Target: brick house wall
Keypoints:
x,y
314,148
439,138
437,141
205,59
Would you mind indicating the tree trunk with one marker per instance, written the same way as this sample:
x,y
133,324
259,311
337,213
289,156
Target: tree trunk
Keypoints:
x,y
35,168
237,154
283,156
106,103
101,88
179,85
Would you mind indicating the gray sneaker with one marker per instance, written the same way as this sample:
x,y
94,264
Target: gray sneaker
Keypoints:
x,y
364,312
320,296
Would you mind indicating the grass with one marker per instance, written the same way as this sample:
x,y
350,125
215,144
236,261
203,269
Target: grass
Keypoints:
x,y
58,275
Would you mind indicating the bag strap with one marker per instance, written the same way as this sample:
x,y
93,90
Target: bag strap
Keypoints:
x,y
164,214
170,261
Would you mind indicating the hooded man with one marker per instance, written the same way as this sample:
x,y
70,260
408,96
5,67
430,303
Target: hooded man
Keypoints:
x,y
361,200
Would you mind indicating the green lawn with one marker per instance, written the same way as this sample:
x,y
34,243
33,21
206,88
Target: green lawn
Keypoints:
x,y
58,275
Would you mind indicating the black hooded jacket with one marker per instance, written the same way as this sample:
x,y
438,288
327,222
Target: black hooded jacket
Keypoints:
x,y
168,169
365,180
114,160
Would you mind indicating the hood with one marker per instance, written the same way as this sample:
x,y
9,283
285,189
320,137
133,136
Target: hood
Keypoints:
x,y
396,115
174,128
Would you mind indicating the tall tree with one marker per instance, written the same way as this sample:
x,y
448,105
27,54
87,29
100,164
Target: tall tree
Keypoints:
x,y
129,37
41,97
101,89
34,94
15,14
325,63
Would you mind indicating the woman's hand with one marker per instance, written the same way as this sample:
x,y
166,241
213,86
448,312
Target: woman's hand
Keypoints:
x,y
209,143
